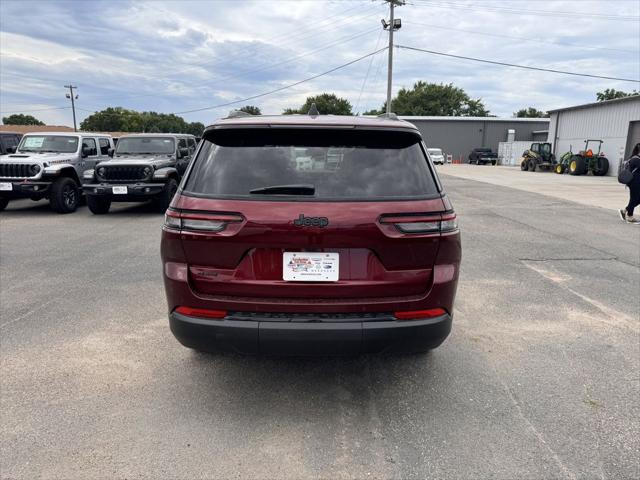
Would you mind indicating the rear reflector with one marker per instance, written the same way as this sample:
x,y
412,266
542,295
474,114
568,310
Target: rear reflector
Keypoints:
x,y
418,314
176,271
201,312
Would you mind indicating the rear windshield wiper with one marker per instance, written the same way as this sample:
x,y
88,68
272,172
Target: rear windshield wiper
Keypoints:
x,y
285,190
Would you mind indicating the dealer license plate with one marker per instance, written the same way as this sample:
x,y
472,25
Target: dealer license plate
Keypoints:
x,y
310,266
119,190
6,187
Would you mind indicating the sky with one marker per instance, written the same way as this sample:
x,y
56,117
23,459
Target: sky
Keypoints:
x,y
177,56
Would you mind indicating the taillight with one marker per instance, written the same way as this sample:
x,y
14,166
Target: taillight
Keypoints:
x,y
199,222
420,314
203,225
418,227
201,312
422,223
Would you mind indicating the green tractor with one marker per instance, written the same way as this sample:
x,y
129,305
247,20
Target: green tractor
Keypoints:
x,y
538,157
584,161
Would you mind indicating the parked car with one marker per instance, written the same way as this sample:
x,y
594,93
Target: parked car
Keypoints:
x,y
144,167
50,165
482,156
9,142
262,254
436,155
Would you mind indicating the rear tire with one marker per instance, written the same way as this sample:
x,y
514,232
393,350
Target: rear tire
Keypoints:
x,y
64,195
3,203
493,162
577,165
98,205
602,166
164,199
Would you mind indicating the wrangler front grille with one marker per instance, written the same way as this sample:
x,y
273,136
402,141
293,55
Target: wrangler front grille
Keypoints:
x,y
123,173
17,170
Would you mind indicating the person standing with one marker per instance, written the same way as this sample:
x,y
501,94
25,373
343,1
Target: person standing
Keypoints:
x,y
634,187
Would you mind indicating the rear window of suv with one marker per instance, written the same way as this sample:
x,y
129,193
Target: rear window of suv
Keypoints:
x,y
337,164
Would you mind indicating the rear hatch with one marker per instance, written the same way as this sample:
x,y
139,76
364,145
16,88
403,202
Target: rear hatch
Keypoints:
x,y
310,215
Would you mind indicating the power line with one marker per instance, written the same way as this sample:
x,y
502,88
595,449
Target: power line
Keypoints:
x,y
291,38
364,82
291,59
36,110
536,40
377,82
253,97
517,66
518,11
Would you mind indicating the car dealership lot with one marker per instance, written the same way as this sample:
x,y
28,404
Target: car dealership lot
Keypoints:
x,y
539,378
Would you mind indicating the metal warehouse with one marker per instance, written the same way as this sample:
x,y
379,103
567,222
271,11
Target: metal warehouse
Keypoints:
x,y
457,136
615,122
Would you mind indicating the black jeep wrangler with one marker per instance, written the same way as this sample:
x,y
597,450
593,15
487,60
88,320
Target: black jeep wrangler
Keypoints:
x,y
143,167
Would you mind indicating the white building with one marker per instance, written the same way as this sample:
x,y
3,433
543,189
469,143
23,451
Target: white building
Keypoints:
x,y
616,122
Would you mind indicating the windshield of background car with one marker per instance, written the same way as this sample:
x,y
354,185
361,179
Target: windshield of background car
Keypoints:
x,y
338,164
145,145
46,143
434,151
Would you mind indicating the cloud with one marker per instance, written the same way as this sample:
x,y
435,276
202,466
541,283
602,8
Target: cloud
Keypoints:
x,y
172,56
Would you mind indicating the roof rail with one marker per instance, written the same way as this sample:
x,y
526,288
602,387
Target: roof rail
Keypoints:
x,y
238,113
313,110
390,116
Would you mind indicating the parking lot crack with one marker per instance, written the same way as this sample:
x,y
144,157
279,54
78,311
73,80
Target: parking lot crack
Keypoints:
x,y
540,437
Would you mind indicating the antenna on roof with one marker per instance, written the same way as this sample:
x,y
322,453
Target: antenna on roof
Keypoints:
x,y
238,113
313,110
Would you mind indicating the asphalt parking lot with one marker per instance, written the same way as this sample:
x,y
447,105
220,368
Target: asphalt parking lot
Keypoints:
x,y
539,379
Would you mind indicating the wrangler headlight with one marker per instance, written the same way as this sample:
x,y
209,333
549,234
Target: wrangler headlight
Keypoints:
x,y
101,171
34,169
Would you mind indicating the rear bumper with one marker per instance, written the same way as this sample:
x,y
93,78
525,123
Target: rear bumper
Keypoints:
x,y
306,335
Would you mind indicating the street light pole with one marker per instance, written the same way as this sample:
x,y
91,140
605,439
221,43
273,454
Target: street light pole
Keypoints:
x,y
73,105
392,27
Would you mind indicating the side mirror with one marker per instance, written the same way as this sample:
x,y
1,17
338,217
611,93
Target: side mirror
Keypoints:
x,y
110,152
11,149
85,151
183,152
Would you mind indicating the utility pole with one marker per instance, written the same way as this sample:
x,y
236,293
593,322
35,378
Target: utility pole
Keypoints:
x,y
73,105
392,25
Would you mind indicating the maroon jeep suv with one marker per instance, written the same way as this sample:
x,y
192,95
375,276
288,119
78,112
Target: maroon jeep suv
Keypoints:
x,y
310,235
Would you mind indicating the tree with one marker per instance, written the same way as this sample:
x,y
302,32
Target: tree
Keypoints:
x,y
118,119
530,112
251,110
21,119
195,128
612,94
434,99
326,103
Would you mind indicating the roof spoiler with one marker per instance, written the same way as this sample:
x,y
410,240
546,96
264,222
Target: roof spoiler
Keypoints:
x,y
238,114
